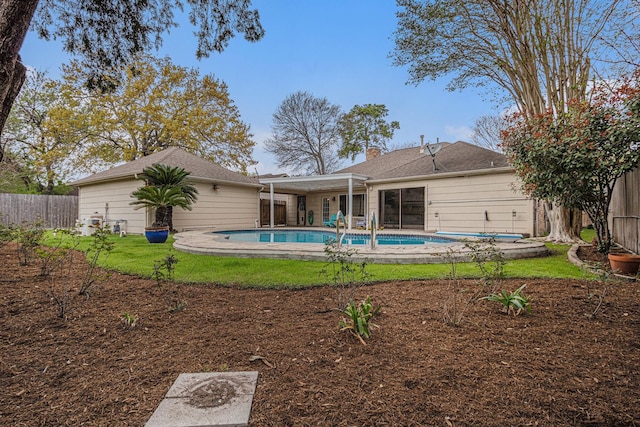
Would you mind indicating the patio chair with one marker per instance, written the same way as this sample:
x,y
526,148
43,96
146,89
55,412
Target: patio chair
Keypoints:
x,y
362,222
331,222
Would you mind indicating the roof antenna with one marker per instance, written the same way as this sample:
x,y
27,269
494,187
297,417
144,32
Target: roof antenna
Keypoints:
x,y
433,149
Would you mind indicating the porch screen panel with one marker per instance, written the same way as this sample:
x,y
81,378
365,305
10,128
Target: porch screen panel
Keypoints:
x,y
389,208
412,207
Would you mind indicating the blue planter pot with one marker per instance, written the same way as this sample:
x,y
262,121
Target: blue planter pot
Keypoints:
x,y
157,235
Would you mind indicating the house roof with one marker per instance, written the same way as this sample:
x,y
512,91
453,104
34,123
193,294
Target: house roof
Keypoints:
x,y
411,162
199,168
405,163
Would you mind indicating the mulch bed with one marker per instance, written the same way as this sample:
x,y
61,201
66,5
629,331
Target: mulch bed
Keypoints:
x,y
573,360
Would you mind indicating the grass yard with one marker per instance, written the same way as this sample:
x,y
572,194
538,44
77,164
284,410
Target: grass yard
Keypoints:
x,y
134,255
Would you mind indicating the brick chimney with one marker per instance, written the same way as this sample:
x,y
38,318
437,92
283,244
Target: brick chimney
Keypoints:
x,y
372,153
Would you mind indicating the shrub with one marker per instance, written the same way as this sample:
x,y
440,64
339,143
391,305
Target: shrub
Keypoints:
x,y
28,237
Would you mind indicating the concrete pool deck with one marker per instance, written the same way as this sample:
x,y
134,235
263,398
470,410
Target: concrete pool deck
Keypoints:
x,y
205,243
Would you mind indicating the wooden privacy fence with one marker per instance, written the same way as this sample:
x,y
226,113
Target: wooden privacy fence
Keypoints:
x,y
279,212
53,211
625,211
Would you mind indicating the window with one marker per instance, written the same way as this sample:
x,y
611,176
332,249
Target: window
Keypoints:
x,y
359,207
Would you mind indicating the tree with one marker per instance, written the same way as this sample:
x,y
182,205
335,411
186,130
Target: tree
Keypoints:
x,y
487,131
45,128
160,105
364,127
110,33
305,134
575,157
541,53
165,187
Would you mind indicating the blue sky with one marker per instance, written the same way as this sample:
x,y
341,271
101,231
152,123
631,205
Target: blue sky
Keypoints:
x,y
337,49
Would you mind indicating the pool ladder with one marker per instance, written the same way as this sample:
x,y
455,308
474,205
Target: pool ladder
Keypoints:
x,y
340,238
374,226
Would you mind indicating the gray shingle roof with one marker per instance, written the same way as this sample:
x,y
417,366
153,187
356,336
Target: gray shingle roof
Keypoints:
x,y
409,162
174,156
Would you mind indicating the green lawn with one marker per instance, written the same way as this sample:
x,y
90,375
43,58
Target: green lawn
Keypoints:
x,y
132,254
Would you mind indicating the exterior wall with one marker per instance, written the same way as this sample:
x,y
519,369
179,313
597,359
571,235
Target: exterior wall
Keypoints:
x,y
111,200
229,206
459,203
314,203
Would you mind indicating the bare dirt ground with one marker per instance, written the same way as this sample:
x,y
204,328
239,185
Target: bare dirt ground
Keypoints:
x,y
558,365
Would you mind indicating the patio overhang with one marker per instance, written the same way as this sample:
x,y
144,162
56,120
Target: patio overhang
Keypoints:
x,y
312,183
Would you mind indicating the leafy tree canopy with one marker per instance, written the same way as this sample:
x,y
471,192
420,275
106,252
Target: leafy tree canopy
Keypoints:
x,y
111,33
44,130
161,105
108,34
541,53
575,157
365,127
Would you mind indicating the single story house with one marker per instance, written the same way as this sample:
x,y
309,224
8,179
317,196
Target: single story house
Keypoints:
x,y
443,187
457,187
226,199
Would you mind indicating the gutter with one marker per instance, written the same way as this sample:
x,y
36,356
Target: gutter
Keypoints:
x,y
504,169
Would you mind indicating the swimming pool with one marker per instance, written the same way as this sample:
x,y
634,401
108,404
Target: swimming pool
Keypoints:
x,y
321,237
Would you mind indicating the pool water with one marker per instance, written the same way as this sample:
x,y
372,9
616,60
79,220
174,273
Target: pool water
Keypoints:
x,y
321,237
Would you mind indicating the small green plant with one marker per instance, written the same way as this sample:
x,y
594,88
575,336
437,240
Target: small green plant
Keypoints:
x,y
345,273
164,269
96,254
28,237
163,273
458,298
358,320
488,258
513,302
129,320
51,256
7,234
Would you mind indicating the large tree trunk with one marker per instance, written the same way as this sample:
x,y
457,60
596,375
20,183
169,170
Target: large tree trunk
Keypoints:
x,y
565,223
15,17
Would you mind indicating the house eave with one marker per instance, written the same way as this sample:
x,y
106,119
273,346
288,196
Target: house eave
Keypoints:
x,y
504,169
86,181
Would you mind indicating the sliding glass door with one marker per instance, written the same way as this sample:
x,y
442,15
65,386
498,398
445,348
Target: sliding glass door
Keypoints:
x,y
402,208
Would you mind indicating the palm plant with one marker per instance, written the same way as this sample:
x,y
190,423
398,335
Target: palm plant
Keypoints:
x,y
165,188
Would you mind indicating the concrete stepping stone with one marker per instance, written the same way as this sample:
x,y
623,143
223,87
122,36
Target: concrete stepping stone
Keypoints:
x,y
207,399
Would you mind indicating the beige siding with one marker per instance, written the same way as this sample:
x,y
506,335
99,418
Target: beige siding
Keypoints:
x,y
459,204
229,206
111,200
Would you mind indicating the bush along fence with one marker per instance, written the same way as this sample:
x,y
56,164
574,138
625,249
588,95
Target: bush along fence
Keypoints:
x,y
52,211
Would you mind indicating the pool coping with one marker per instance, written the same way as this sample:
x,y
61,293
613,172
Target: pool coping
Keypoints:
x,y
204,243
